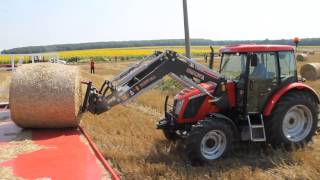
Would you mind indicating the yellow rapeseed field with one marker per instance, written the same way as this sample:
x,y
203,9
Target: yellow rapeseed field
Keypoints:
x,y
122,52
131,52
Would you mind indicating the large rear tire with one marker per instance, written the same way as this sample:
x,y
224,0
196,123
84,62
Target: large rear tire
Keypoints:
x,y
293,121
209,140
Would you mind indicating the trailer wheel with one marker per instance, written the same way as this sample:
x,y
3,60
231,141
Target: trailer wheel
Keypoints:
x,y
293,121
209,140
170,134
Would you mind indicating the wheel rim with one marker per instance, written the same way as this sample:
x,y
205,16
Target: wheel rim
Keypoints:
x,y
213,144
297,123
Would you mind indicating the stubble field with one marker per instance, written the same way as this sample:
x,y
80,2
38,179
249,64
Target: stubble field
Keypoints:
x,y
127,137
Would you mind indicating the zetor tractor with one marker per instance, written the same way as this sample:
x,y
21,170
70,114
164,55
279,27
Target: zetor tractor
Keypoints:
x,y
256,96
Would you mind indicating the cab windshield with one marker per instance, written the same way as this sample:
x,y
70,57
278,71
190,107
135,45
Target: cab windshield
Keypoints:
x,y
233,65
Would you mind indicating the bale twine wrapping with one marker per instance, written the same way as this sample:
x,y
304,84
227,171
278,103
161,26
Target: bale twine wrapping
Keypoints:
x,y
45,96
302,57
310,71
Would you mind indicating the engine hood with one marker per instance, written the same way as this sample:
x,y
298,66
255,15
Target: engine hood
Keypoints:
x,y
192,92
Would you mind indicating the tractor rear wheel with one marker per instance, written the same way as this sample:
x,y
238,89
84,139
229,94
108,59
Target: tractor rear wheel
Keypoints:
x,y
293,121
209,140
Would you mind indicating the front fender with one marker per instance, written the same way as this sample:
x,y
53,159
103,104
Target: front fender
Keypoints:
x,y
227,120
293,86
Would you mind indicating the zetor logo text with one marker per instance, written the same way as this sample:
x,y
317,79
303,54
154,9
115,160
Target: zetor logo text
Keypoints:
x,y
195,74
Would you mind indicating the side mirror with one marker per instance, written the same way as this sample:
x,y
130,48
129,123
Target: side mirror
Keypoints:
x,y
253,60
211,60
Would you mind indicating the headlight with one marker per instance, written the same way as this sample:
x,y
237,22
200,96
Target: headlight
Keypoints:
x,y
178,106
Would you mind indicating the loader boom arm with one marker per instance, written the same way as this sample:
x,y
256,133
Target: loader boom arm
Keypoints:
x,y
144,75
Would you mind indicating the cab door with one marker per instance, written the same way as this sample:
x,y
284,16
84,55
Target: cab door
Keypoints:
x,y
262,80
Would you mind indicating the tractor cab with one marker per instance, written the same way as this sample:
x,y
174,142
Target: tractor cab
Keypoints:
x,y
257,71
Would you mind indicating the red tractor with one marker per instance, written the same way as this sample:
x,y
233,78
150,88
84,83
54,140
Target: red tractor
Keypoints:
x,y
256,96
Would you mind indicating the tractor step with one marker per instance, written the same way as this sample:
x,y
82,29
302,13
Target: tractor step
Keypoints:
x,y
256,127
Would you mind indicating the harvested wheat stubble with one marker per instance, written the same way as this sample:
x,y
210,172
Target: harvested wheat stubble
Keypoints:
x,y
302,57
310,71
45,96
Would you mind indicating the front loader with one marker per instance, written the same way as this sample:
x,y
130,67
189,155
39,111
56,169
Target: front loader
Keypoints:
x,y
256,96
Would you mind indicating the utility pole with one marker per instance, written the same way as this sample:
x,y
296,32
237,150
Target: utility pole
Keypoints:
x,y
186,29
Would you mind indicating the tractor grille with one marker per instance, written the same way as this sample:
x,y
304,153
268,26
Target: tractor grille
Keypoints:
x,y
193,106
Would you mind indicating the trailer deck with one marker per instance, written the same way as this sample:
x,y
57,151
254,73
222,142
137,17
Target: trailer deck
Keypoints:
x,y
49,153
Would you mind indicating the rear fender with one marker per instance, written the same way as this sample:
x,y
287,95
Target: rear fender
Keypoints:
x,y
282,91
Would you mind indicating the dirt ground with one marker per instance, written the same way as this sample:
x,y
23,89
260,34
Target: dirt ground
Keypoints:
x,y
127,137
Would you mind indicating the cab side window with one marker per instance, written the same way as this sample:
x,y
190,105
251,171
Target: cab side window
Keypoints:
x,y
266,67
287,65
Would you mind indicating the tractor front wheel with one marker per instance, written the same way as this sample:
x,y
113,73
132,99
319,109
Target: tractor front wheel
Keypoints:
x,y
209,140
171,135
294,120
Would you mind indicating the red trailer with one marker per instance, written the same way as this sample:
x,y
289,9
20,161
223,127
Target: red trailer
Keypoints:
x,y
49,153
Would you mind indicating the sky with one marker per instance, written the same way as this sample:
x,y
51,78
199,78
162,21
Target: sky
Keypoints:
x,y
45,22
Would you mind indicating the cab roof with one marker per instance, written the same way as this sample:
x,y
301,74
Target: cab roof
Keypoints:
x,y
255,48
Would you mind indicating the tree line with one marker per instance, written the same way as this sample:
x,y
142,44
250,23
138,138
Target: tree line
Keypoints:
x,y
164,42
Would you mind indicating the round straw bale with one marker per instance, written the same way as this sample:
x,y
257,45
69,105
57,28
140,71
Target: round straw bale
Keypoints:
x,y
302,57
310,71
45,96
312,52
